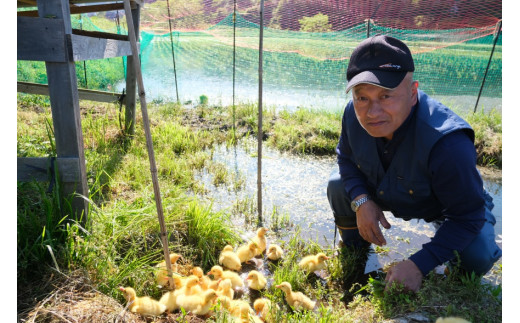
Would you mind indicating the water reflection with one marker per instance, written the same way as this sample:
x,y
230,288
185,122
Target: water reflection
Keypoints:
x,y
296,186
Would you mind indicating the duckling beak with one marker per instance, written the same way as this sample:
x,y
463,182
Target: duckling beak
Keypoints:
x,y
277,286
122,289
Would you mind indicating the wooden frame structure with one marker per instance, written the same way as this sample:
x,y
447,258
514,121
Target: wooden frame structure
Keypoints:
x,y
46,35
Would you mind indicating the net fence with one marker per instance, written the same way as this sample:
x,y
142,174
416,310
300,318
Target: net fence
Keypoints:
x,y
307,45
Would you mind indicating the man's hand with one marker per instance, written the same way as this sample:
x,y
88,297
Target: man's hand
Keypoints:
x,y
407,273
368,217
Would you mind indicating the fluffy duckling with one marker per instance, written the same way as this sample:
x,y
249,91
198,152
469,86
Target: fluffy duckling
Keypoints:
x,y
169,300
242,312
262,308
225,289
197,304
260,241
451,320
204,281
246,252
246,315
191,287
225,302
297,300
312,263
219,273
274,252
162,272
257,280
229,259
143,305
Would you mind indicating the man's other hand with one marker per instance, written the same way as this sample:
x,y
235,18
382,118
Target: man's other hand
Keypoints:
x,y
407,273
368,217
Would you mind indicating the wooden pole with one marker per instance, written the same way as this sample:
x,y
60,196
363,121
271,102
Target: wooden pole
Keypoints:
x,y
66,115
149,143
260,134
131,76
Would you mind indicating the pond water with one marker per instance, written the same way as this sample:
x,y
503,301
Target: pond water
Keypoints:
x,y
296,187
219,91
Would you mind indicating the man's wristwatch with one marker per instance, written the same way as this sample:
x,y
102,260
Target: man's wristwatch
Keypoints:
x,y
357,203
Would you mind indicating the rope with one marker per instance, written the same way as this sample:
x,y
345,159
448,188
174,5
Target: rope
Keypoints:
x,y
173,52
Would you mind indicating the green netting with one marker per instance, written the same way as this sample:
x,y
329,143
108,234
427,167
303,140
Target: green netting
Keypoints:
x,y
299,68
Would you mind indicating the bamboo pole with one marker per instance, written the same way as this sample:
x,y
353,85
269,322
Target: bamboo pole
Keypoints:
x,y
498,28
234,65
260,135
149,143
173,51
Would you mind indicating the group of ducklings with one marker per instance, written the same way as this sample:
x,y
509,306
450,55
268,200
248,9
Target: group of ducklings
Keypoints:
x,y
198,293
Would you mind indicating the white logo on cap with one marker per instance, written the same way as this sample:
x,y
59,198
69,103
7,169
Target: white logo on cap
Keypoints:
x,y
390,65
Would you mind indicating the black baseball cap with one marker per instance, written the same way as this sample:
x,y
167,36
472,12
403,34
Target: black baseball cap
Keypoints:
x,y
380,60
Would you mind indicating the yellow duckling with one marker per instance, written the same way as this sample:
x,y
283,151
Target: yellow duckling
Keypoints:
x,y
191,287
297,300
246,315
263,308
162,272
260,241
312,263
225,289
169,300
143,305
219,273
242,312
451,320
179,280
246,252
197,304
229,259
257,280
204,281
225,302
274,252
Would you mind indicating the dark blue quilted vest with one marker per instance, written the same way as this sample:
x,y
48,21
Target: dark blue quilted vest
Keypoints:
x,y
405,187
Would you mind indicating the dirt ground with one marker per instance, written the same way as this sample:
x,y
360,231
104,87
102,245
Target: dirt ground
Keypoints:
x,y
71,298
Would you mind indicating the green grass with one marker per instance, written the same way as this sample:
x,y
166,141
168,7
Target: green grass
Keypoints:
x,y
120,243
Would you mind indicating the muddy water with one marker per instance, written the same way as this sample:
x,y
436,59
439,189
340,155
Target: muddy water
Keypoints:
x,y
296,187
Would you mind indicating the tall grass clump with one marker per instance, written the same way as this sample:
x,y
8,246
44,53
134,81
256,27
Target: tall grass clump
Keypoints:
x,y
488,136
208,231
41,224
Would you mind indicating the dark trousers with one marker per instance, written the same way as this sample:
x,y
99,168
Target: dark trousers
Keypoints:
x,y
478,256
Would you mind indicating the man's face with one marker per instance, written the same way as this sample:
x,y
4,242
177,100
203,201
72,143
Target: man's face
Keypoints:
x,y
381,111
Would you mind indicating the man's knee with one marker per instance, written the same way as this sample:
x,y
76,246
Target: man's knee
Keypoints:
x,y
481,254
344,217
335,188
